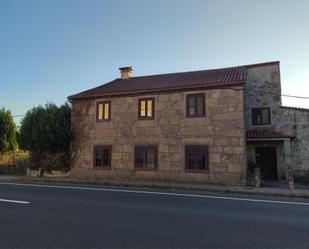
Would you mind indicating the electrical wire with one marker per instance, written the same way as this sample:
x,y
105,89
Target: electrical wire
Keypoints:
x,y
269,93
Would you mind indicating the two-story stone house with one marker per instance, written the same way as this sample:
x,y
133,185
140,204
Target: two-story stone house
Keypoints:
x,y
201,126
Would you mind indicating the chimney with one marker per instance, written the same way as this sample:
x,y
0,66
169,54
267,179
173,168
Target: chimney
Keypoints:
x,y
126,72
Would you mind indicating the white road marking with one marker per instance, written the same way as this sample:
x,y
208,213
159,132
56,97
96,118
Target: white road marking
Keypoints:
x,y
14,201
158,193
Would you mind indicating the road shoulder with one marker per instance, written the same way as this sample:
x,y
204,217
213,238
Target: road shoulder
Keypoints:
x,y
263,191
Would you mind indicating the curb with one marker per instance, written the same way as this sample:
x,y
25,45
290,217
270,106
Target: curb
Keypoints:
x,y
265,191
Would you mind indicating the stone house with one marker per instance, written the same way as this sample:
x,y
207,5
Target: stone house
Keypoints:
x,y
202,126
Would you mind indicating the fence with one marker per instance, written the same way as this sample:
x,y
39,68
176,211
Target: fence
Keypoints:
x,y
301,178
14,163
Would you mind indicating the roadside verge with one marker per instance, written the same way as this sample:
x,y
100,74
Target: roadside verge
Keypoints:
x,y
266,191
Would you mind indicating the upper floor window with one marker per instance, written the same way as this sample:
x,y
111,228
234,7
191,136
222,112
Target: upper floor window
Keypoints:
x,y
261,116
196,157
196,105
102,156
104,111
146,157
146,108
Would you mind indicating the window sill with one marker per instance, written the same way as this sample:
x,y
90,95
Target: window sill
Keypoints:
x,y
101,168
200,116
103,121
146,169
261,125
139,118
203,171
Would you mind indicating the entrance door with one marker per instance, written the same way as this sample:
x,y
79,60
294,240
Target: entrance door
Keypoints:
x,y
266,159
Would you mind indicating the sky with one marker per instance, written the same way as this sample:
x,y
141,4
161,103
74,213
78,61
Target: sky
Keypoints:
x,y
50,49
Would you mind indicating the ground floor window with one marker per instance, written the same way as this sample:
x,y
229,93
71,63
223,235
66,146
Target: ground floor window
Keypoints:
x,y
102,156
146,157
196,157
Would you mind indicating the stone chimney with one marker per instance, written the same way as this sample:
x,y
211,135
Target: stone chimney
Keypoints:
x,y
126,72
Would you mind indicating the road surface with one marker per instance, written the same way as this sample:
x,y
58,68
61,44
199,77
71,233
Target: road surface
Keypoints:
x,y
36,216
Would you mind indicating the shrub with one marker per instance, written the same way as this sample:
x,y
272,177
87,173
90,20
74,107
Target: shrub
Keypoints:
x,y
57,161
45,132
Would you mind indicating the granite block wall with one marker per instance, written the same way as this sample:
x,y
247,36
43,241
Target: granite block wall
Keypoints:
x,y
223,129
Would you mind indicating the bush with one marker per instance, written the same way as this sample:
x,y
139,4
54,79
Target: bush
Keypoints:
x,y
48,162
45,132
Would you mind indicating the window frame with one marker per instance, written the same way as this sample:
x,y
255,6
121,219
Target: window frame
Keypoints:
x,y
155,147
146,110
188,107
109,111
206,148
253,119
101,147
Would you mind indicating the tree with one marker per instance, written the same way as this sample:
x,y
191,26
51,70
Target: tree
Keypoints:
x,y
45,132
7,131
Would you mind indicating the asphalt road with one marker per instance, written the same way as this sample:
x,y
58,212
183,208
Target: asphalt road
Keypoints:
x,y
53,217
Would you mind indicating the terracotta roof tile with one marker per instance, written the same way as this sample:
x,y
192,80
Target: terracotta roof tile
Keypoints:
x,y
165,82
295,108
265,134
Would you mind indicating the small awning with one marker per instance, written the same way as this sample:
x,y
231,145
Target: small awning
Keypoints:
x,y
266,135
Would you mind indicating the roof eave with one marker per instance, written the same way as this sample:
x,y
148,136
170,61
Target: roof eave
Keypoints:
x,y
175,89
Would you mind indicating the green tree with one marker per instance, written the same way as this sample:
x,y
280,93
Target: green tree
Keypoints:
x,y
7,131
45,131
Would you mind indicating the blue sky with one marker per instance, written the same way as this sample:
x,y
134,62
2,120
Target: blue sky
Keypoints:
x,y
50,49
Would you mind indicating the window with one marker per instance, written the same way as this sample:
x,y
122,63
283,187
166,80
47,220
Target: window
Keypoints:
x,y
146,108
261,116
102,156
104,111
146,157
196,157
196,105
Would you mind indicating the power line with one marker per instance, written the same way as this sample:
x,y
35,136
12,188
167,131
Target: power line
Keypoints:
x,y
294,96
283,95
269,93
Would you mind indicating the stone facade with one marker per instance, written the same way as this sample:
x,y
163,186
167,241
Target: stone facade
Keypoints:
x,y
263,89
260,81
222,129
295,122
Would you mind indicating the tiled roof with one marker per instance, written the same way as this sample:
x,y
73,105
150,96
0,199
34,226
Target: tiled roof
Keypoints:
x,y
215,78
265,134
295,108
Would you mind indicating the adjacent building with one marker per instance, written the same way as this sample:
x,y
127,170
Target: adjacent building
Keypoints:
x,y
208,126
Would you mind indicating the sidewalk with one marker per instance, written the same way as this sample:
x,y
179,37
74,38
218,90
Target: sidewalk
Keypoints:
x,y
266,191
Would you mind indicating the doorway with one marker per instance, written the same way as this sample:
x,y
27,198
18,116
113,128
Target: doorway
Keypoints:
x,y
266,160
